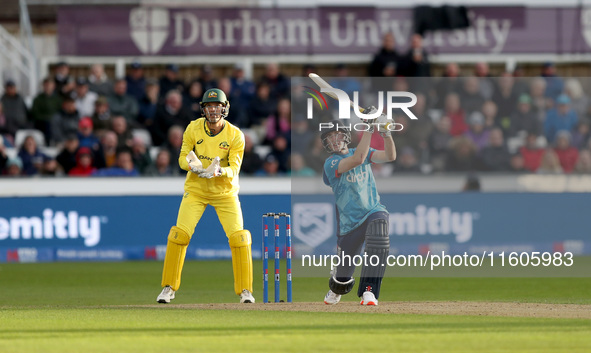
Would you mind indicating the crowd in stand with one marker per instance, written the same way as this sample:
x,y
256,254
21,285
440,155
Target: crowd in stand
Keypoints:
x,y
96,126
133,126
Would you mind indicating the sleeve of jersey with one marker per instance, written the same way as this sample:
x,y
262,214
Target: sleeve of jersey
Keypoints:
x,y
235,156
368,158
331,168
188,143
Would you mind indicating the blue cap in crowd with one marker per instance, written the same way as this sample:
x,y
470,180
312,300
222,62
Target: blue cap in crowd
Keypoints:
x,y
172,67
563,99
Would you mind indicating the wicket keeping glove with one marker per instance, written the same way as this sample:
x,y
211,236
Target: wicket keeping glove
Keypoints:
x,y
214,169
194,163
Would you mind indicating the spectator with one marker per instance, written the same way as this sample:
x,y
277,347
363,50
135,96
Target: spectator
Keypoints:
x,y
579,101
141,155
489,110
550,164
485,82
524,120
243,91
86,136
109,149
14,167
505,99
168,114
560,118
581,135
83,167
121,128
455,113
84,98
316,155
408,162
170,81
517,164
148,105
554,84
3,155
438,143
415,63
31,157
449,83
136,82
122,104
532,154
261,107
567,155
67,157
65,121
471,97
101,119
280,122
15,109
462,156
99,82
193,97
521,84
207,79
477,133
270,167
472,183
583,165
123,168
174,144
162,167
343,82
538,101
307,69
64,83
385,59
277,82
251,161
495,156
7,128
298,166
281,151
45,106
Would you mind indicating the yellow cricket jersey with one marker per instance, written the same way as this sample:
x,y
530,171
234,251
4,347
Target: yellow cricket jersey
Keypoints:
x,y
228,144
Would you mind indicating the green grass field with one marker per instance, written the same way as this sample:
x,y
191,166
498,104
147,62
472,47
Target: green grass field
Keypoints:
x,y
110,307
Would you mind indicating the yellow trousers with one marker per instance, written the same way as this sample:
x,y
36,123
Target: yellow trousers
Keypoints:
x,y
230,216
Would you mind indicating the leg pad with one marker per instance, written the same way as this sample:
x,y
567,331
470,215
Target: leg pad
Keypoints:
x,y
240,244
176,249
377,244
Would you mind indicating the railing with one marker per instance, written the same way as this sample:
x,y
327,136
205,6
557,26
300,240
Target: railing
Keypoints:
x,y
18,62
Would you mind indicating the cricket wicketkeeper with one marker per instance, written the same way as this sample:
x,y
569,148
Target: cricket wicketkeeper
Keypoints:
x,y
211,154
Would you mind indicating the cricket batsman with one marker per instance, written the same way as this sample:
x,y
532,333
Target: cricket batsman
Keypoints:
x,y
212,155
361,218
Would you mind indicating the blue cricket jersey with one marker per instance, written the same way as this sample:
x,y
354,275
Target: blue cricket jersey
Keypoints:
x,y
355,191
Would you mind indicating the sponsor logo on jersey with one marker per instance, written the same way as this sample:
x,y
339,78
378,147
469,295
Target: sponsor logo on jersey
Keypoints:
x,y
224,145
200,141
202,157
354,177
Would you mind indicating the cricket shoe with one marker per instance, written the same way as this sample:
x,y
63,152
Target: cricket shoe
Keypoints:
x,y
166,295
246,297
368,299
332,298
